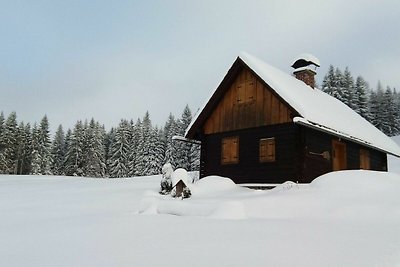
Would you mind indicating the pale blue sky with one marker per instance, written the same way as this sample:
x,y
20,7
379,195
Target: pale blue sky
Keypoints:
x,y
116,59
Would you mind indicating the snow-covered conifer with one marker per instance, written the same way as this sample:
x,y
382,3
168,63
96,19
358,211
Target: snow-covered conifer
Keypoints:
x,y
361,97
376,108
170,129
94,152
132,151
143,148
35,155
348,90
23,151
8,153
328,83
58,151
74,155
118,160
45,146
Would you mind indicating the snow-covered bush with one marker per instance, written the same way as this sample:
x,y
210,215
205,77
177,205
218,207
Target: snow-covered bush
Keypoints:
x,y
166,181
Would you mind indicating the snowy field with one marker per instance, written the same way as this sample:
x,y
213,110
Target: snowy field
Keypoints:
x,y
347,218
342,219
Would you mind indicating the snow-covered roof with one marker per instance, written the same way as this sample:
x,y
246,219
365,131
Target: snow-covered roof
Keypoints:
x,y
317,109
178,175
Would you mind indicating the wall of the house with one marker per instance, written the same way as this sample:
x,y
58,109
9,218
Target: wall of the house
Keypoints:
x,y
247,103
316,142
249,169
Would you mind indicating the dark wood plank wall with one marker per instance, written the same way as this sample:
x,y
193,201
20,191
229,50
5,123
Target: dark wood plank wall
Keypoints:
x,y
247,103
317,142
314,142
378,160
250,169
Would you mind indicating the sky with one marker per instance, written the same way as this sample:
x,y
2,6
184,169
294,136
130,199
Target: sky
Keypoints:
x,y
74,60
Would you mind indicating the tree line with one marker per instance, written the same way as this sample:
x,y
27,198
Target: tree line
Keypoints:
x,y
379,106
139,148
130,149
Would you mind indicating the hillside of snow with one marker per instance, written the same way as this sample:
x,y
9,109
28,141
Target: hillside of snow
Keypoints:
x,y
349,218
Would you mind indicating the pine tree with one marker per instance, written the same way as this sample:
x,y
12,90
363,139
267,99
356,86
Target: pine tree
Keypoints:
x,y
3,163
376,108
118,160
36,160
23,151
361,98
94,153
390,124
143,147
159,150
108,142
348,89
183,148
74,156
151,166
328,83
8,153
170,129
132,151
396,100
58,151
45,147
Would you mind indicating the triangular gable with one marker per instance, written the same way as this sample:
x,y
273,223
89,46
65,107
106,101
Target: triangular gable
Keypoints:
x,y
247,103
314,107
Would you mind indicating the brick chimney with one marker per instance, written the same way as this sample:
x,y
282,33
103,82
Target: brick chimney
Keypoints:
x,y
305,66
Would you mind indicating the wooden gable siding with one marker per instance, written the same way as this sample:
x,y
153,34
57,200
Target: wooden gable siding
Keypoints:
x,y
247,103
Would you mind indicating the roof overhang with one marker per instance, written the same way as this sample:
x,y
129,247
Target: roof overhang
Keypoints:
x,y
315,126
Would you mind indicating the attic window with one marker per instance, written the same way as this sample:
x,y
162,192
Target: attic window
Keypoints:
x,y
230,150
267,149
245,92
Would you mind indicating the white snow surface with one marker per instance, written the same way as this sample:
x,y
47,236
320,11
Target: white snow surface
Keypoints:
x,y
348,218
394,162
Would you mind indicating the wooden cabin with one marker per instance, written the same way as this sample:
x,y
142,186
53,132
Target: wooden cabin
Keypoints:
x,y
262,125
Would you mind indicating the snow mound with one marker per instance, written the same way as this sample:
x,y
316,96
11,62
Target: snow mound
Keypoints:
x,y
212,197
358,181
214,185
354,195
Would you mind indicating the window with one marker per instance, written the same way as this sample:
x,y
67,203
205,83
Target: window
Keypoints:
x,y
267,149
364,159
230,150
245,92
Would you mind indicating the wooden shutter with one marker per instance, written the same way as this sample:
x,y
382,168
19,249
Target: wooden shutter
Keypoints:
x,y
364,159
230,150
267,149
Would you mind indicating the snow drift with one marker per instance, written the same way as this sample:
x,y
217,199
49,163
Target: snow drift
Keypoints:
x,y
338,195
346,218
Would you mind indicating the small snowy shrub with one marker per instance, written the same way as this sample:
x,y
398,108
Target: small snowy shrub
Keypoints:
x,y
186,193
166,182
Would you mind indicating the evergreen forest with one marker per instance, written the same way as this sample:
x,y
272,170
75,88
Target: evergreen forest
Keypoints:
x,y
128,150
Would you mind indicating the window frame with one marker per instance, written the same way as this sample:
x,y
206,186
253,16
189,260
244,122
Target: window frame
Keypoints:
x,y
230,150
265,155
